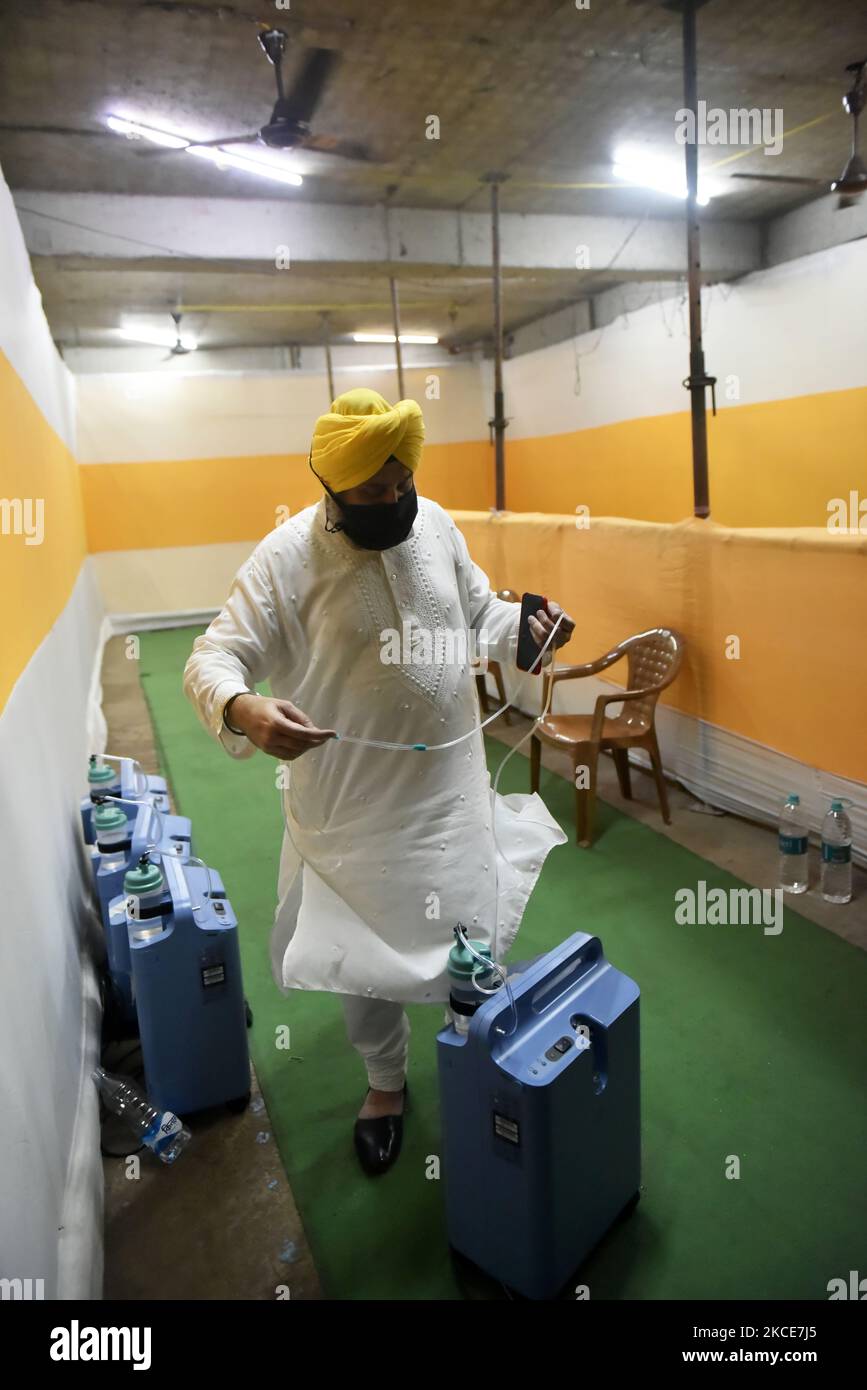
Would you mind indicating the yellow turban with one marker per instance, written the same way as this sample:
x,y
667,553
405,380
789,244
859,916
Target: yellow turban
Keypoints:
x,y
359,433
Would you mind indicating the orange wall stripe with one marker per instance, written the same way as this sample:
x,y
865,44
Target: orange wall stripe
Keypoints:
x,y
143,506
35,580
793,599
777,463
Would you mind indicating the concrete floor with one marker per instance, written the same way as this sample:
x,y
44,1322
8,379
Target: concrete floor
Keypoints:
x,y
222,1222
234,1231
743,847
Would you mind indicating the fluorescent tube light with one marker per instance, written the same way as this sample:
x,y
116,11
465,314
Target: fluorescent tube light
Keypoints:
x,y
144,132
249,165
647,171
156,338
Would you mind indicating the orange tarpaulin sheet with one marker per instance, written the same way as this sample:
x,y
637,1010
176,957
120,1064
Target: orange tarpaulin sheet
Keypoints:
x,y
775,620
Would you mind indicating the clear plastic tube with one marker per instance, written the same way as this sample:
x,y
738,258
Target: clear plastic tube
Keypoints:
x,y
490,966
199,864
453,742
138,770
495,898
160,828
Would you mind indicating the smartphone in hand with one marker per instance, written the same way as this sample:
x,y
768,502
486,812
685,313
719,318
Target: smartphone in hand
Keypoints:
x,y
529,652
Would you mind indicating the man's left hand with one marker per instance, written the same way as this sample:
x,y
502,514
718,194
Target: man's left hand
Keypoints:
x,y
542,625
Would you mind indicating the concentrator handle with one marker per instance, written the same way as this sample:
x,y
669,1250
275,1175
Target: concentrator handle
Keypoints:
x,y
543,984
561,977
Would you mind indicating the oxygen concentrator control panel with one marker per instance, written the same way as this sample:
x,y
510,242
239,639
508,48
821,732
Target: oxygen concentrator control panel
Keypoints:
x,y
536,1069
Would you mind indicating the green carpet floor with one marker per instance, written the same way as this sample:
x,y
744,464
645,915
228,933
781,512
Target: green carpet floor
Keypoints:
x,y
752,1045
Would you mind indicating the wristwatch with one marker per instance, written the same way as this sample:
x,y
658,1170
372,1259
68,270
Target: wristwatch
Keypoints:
x,y
227,706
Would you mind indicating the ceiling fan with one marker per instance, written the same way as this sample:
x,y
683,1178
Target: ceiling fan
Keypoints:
x,y
853,180
179,348
287,129
289,125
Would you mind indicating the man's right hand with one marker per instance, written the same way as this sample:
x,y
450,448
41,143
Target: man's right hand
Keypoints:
x,y
278,727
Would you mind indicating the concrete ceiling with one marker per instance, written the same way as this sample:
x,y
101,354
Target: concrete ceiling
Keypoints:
x,y
536,89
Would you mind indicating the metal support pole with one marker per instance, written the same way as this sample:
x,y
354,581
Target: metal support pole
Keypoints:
x,y
698,379
395,315
498,423
328,366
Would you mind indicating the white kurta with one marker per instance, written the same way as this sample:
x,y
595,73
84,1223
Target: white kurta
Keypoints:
x,y
385,851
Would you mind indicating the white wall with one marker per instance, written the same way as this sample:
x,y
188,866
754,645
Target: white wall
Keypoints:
x,y
131,418
50,1167
795,330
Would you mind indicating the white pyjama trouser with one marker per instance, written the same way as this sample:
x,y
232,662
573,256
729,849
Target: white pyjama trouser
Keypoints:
x,y
379,1031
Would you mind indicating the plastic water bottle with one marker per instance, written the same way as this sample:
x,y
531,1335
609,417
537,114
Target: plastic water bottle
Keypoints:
x,y
162,1131
837,855
794,873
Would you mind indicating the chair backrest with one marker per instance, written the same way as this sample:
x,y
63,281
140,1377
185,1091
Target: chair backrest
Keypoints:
x,y
654,661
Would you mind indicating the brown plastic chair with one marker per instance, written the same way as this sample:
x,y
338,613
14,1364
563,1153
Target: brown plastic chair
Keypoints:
x,y
654,660
509,596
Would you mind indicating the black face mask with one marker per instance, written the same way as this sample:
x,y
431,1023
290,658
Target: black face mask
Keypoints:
x,y
379,525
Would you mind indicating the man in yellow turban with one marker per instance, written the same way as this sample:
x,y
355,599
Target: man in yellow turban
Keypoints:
x,y
365,612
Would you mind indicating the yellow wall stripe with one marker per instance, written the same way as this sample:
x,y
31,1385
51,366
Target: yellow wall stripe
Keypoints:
x,y
35,580
777,463
141,506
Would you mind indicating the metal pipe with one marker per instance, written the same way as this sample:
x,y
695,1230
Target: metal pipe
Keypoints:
x,y
395,316
498,423
698,379
328,366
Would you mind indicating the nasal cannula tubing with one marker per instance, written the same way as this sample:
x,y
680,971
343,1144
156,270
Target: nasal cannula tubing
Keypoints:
x,y
460,931
490,966
452,743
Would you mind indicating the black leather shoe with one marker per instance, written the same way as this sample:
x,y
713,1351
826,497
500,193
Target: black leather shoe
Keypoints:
x,y
378,1141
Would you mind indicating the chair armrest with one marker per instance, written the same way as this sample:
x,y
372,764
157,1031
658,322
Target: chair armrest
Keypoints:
x,y
602,701
589,668
616,698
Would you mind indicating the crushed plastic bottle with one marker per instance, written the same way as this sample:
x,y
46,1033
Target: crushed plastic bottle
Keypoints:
x,y
160,1130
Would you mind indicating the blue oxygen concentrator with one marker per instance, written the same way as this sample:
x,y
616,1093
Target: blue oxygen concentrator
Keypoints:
x,y
187,986
123,834
114,776
540,1104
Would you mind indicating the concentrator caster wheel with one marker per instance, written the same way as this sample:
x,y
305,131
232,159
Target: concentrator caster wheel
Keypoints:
x,y
239,1104
248,1014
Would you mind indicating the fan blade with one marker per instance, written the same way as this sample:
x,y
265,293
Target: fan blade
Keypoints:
x,y
330,144
304,97
208,144
50,130
229,140
780,178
